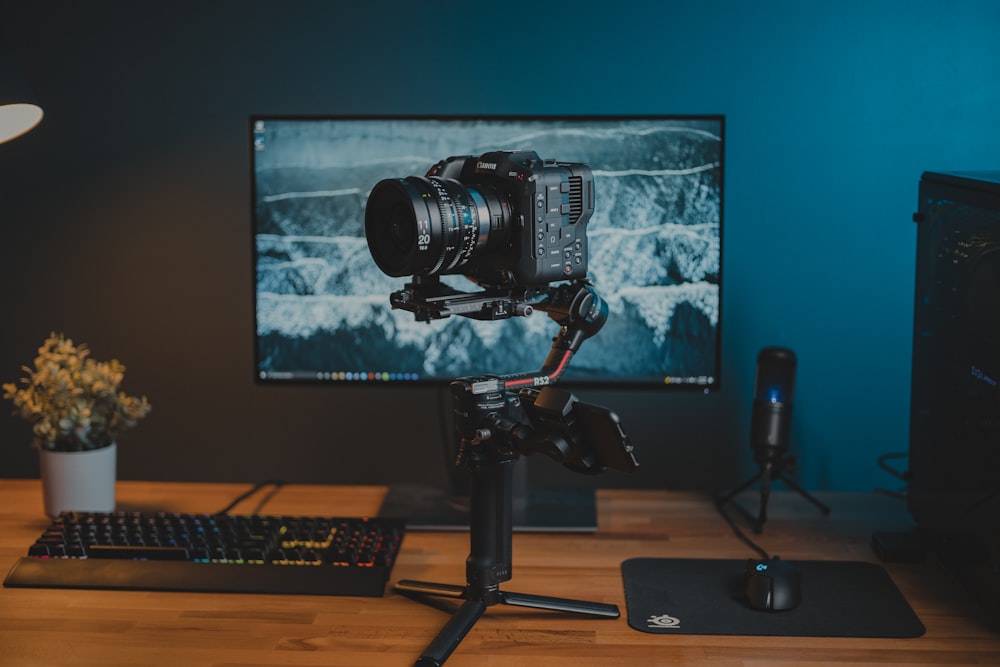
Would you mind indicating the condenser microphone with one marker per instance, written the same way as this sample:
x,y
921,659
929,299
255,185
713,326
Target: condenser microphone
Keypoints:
x,y
770,423
771,416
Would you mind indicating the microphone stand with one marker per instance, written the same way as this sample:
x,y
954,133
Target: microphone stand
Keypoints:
x,y
769,427
773,464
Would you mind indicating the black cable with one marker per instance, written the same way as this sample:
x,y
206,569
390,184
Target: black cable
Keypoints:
x,y
276,483
739,532
903,475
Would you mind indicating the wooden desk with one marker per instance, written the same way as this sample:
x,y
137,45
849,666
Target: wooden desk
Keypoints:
x,y
72,627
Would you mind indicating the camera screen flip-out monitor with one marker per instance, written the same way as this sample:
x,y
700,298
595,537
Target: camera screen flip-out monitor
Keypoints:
x,y
322,305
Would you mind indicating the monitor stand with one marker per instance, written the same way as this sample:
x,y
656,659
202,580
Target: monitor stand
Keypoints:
x,y
436,508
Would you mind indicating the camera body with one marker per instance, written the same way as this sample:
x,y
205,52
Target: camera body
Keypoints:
x,y
500,218
550,203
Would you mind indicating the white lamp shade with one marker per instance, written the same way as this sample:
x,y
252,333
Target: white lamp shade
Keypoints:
x,y
18,118
18,111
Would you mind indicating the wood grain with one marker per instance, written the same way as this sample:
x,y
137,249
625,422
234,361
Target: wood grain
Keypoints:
x,y
64,627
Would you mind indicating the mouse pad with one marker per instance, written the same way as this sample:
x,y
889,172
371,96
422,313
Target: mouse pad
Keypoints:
x,y
700,597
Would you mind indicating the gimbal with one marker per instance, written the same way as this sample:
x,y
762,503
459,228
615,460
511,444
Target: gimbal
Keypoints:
x,y
499,419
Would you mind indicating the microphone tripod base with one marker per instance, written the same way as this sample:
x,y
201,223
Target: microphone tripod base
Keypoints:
x,y
766,477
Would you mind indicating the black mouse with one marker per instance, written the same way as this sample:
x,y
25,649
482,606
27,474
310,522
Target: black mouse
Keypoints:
x,y
772,584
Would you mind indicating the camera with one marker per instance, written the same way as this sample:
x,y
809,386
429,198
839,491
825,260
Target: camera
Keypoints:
x,y
500,218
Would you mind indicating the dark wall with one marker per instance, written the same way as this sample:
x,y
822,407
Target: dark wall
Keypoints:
x,y
126,220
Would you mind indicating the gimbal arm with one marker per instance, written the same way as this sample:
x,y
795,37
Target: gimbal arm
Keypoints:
x,y
575,306
580,313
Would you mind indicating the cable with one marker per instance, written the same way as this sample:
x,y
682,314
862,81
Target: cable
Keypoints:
x,y
277,484
532,378
903,475
739,532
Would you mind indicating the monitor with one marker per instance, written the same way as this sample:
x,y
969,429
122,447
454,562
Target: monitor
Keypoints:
x,y
322,305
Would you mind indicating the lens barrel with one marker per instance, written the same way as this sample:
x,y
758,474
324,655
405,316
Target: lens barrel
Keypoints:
x,y
429,225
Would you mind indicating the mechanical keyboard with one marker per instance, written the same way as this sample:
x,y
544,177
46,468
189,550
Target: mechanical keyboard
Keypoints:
x,y
219,553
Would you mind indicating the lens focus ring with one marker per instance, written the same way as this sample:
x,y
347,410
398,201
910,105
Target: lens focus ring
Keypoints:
x,y
426,225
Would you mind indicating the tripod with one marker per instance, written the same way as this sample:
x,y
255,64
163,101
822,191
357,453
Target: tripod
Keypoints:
x,y
489,562
772,467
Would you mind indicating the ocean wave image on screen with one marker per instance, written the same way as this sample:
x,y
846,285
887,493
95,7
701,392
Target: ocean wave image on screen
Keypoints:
x,y
654,246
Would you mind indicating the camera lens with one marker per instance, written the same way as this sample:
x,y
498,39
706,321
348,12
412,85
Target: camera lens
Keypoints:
x,y
402,233
430,226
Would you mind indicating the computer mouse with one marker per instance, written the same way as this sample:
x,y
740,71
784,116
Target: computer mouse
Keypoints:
x,y
772,584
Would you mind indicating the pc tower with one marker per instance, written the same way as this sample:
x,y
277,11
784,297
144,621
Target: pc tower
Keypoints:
x,y
954,452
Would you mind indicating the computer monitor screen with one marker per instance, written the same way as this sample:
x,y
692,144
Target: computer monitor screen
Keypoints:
x,y
322,304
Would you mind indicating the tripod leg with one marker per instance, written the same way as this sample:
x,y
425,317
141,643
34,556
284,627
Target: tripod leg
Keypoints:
x,y
738,490
452,633
731,496
805,494
560,604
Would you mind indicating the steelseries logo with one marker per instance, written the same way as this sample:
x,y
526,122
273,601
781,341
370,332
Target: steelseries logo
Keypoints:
x,y
663,621
491,166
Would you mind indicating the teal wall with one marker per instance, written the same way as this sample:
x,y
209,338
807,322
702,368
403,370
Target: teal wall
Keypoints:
x,y
126,212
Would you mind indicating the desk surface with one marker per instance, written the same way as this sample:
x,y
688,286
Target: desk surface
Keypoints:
x,y
74,627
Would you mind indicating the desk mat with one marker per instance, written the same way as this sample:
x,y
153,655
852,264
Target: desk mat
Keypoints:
x,y
700,597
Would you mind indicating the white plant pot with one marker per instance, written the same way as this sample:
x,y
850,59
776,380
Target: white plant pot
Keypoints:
x,y
81,481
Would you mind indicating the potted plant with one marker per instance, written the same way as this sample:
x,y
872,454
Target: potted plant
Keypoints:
x,y
76,410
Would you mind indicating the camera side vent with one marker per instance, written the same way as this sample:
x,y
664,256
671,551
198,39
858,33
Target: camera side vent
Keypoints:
x,y
575,199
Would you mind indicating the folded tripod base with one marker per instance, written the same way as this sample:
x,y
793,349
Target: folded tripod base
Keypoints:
x,y
413,587
475,605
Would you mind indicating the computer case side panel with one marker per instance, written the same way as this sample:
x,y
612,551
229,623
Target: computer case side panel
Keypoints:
x,y
954,468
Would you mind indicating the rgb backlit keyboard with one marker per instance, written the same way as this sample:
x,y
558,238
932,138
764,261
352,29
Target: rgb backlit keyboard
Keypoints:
x,y
213,553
